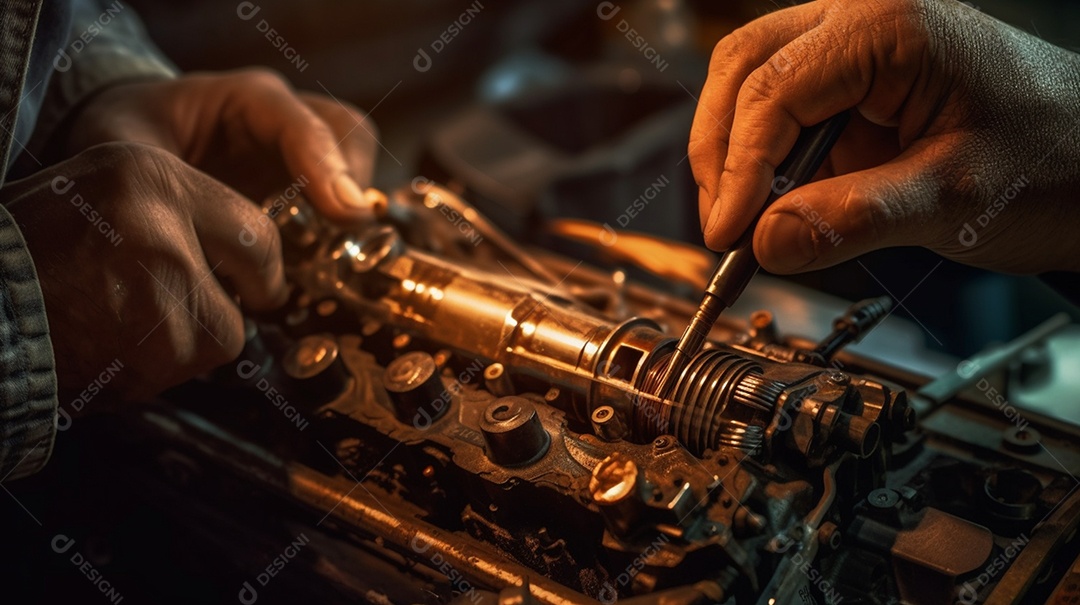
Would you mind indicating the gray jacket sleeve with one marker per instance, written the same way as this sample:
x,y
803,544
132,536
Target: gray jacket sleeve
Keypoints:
x,y
106,45
27,381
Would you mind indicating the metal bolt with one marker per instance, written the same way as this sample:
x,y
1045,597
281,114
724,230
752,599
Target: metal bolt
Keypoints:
x,y
442,357
613,479
829,535
1024,440
401,341
326,308
838,378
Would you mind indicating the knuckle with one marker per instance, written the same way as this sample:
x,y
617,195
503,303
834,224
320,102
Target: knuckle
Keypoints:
x,y
128,156
264,78
272,258
735,43
907,18
760,85
872,211
371,129
219,333
354,115
131,168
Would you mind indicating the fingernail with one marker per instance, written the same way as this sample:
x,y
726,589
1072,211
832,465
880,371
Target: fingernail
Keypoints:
x,y
377,201
349,193
791,244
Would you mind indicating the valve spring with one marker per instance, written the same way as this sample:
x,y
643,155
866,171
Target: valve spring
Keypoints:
x,y
745,437
698,411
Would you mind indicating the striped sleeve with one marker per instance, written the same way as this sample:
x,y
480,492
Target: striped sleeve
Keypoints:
x,y
28,402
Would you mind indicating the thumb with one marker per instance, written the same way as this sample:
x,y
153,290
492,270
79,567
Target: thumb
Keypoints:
x,y
833,220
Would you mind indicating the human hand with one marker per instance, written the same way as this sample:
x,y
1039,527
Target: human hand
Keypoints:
x,y
139,257
961,138
247,128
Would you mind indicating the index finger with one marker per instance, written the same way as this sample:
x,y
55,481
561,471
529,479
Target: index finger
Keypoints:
x,y
821,73
275,116
734,58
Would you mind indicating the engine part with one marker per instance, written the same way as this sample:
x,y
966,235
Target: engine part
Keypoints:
x,y
493,435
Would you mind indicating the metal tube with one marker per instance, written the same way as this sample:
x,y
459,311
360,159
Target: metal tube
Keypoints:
x,y
463,553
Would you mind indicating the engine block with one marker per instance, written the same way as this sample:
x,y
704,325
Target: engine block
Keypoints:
x,y
484,419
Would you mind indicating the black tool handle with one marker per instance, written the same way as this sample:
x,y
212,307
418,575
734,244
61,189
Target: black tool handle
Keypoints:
x,y
739,264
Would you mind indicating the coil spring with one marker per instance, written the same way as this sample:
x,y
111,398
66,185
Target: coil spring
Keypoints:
x,y
699,411
745,437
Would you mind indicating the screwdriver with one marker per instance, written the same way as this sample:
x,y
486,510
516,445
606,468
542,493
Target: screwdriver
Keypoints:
x,y
738,264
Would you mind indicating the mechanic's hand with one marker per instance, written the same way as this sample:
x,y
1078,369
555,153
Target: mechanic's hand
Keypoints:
x,y
247,128
964,138
139,257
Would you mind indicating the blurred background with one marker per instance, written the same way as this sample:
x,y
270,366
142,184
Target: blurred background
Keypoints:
x,y
540,109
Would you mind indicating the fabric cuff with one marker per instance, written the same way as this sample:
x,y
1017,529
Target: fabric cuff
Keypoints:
x,y
28,390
